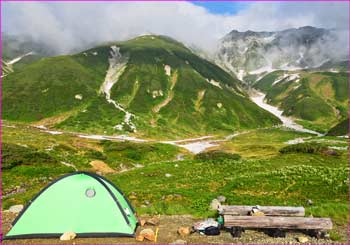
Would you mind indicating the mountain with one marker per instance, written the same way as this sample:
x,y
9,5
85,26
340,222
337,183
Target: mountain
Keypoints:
x,y
318,100
18,51
150,85
247,54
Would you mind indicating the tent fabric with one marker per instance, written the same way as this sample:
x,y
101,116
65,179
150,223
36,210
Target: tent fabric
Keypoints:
x,y
82,202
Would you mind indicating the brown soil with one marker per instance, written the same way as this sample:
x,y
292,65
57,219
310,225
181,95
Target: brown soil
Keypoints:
x,y
168,234
102,167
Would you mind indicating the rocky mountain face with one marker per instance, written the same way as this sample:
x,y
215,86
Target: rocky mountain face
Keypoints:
x,y
252,53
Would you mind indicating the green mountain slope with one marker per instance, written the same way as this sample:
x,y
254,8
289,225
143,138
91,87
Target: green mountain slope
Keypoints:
x,y
318,99
151,85
340,129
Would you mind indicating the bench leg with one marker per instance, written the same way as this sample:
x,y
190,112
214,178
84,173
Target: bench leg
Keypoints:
x,y
236,232
317,234
275,232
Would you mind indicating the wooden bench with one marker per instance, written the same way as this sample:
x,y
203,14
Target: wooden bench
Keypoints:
x,y
267,210
272,218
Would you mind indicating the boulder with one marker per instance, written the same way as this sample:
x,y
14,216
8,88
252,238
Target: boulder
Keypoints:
x,y
139,238
148,234
68,235
309,202
215,204
153,221
142,222
184,230
221,199
302,239
16,208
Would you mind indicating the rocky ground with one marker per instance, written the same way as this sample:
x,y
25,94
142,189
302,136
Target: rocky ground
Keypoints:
x,y
167,233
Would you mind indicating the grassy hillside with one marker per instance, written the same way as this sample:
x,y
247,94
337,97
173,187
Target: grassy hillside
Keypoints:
x,y
168,90
318,99
340,129
46,88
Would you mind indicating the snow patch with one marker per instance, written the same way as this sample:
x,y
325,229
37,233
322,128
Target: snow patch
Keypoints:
x,y
213,82
167,70
197,147
40,127
289,77
15,60
53,132
340,148
259,99
69,165
297,141
267,69
78,97
106,137
156,93
240,74
117,65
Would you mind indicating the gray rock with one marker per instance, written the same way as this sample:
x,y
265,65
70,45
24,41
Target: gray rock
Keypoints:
x,y
309,202
302,239
215,204
16,208
221,198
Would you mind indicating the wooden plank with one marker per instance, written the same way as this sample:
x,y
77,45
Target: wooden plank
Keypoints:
x,y
278,222
267,210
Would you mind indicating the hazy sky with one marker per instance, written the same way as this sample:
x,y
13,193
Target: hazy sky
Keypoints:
x,y
68,25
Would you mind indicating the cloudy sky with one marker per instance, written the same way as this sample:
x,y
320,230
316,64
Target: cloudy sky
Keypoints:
x,y
70,25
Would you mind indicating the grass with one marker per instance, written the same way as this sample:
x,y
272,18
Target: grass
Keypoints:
x,y
261,176
283,180
262,143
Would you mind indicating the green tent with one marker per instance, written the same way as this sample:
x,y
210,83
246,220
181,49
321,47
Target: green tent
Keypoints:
x,y
85,203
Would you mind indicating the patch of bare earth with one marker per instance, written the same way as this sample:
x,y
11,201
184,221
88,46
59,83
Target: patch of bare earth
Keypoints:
x,y
167,233
170,96
51,121
101,167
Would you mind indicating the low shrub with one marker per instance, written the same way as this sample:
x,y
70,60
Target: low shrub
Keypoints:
x,y
217,155
312,148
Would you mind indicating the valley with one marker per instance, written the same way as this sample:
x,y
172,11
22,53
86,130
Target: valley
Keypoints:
x,y
174,130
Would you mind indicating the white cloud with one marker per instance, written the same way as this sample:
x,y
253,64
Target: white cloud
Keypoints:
x,y
66,26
